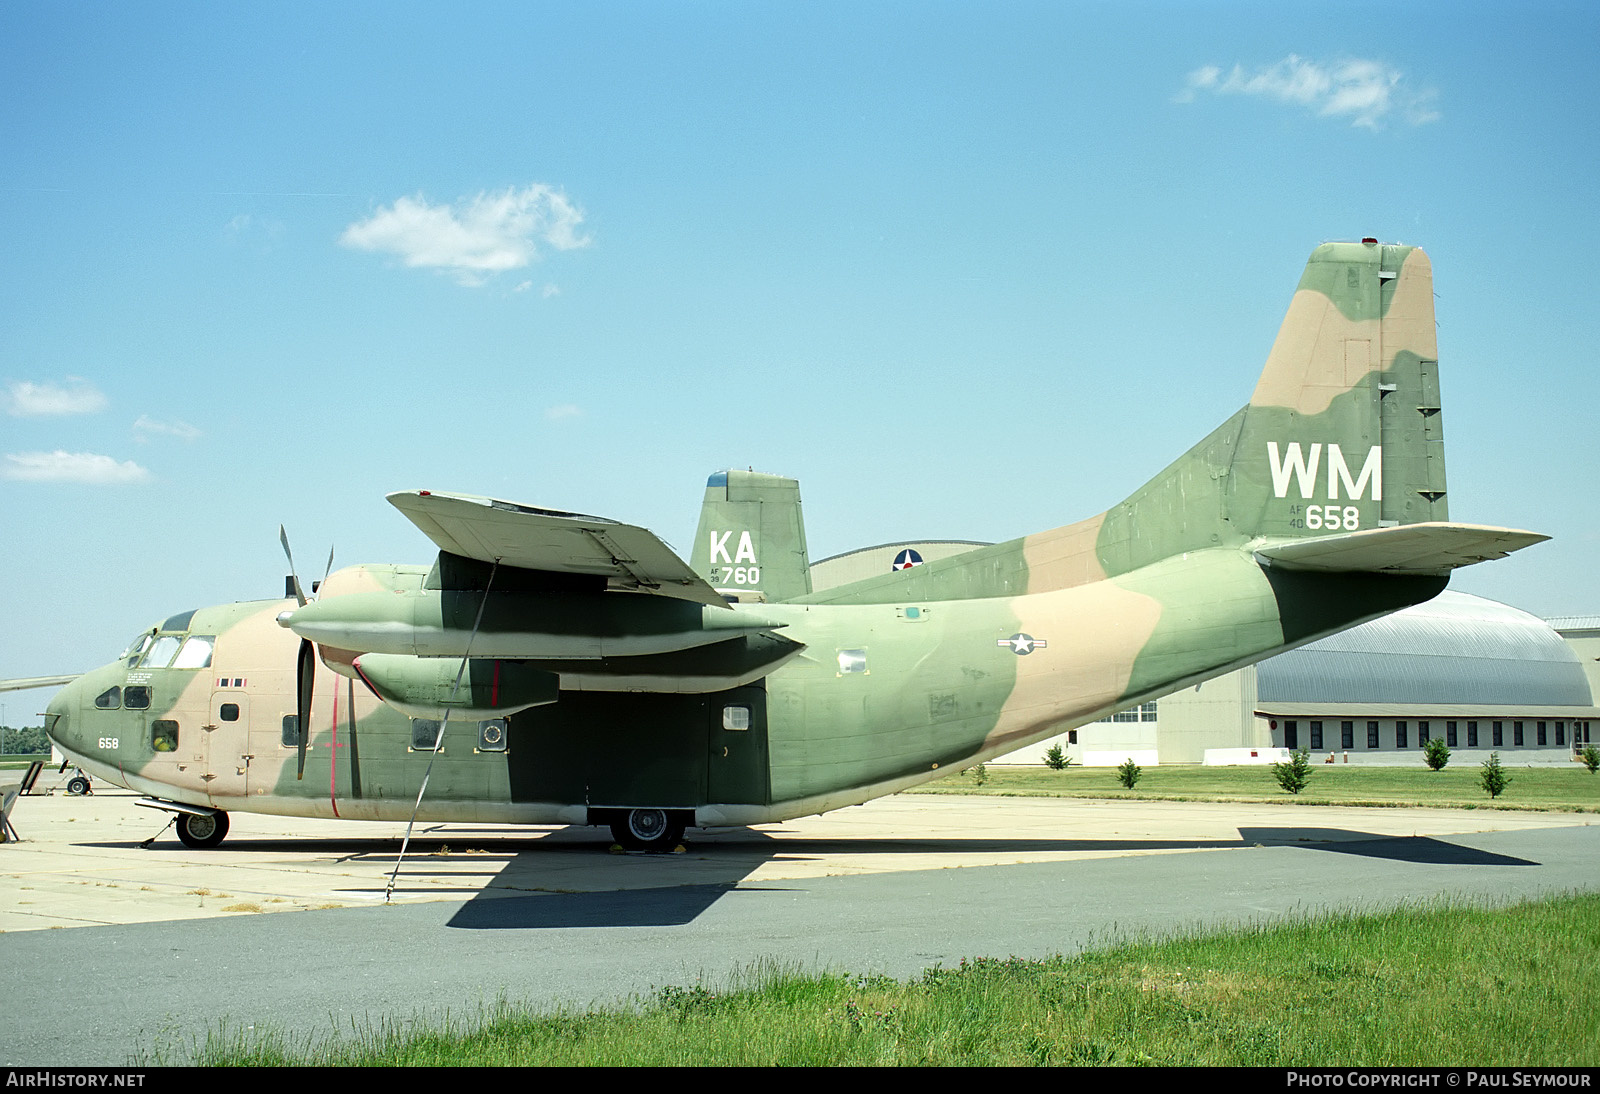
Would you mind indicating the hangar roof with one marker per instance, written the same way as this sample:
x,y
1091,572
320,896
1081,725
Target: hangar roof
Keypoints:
x,y
1456,649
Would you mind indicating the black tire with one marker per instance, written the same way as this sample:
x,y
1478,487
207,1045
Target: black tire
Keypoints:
x,y
202,831
77,785
648,829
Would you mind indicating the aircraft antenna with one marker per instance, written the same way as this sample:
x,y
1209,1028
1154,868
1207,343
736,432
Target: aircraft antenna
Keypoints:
x,y
438,740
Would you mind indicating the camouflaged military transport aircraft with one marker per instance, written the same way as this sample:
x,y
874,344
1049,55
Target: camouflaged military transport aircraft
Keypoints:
x,y
559,668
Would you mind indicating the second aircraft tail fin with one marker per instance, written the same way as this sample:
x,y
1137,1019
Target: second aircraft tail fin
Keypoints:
x,y
751,543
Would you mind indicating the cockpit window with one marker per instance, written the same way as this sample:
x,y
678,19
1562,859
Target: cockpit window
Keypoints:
x,y
137,647
109,699
179,622
159,655
136,697
196,652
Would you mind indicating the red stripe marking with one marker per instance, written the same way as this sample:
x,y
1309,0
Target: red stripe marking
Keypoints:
x,y
333,751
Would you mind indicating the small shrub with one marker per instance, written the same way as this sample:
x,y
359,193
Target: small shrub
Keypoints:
x,y
1591,758
1494,778
1055,759
1435,753
1293,775
1128,774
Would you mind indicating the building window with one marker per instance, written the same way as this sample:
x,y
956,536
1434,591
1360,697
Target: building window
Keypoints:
x,y
1422,733
1561,733
1347,735
1144,712
1516,733
1372,734
1291,734
1497,734
1539,733
1316,734
1400,735
1472,734
1450,734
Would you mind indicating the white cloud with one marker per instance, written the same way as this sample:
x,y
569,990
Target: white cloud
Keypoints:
x,y
29,400
565,410
59,466
1365,92
146,425
473,239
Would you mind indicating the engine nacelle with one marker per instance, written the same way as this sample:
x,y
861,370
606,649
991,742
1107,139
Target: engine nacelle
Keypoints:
x,y
425,687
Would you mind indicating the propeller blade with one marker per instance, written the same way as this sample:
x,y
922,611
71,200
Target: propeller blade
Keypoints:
x,y
294,576
304,678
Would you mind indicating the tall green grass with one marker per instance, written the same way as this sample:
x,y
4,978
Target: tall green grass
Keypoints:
x,y
1439,986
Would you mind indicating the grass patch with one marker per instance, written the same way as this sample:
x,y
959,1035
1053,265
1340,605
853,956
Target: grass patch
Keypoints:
x,y
1446,985
1570,789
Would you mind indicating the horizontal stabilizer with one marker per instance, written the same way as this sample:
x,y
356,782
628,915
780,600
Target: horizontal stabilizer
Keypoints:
x,y
1429,548
629,557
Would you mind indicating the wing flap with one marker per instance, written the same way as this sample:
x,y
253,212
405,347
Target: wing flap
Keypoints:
x,y
1431,547
629,557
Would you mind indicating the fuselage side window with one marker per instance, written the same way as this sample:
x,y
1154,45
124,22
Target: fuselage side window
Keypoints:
x,y
424,733
291,731
164,735
136,697
196,652
109,699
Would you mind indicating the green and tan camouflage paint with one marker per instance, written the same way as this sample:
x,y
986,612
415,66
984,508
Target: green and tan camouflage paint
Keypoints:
x,y
866,688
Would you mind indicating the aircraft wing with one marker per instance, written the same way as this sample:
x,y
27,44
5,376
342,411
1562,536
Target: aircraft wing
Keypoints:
x,y
1431,547
26,682
630,557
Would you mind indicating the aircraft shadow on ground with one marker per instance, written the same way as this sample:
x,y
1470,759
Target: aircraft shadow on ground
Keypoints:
x,y
1422,850
508,904
566,878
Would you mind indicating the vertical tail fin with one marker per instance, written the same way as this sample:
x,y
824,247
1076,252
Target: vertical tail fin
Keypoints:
x,y
751,542
1342,434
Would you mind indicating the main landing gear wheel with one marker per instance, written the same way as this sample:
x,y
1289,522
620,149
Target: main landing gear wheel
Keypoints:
x,y
77,785
202,830
647,829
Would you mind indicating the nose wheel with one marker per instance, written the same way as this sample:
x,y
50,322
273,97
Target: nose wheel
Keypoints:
x,y
648,829
202,831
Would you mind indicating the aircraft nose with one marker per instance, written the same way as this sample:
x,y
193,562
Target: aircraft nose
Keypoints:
x,y
57,714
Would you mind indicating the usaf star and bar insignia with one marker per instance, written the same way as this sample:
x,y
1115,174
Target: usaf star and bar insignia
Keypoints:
x,y
1023,644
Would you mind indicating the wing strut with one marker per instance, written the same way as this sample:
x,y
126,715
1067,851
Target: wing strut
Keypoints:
x,y
438,740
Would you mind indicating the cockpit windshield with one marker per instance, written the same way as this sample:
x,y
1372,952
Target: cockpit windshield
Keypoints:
x,y
159,655
140,643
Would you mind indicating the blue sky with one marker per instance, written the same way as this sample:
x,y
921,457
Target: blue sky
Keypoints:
x,y
965,270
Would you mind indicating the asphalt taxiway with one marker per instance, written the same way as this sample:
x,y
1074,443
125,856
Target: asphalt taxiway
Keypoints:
x,y
117,951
